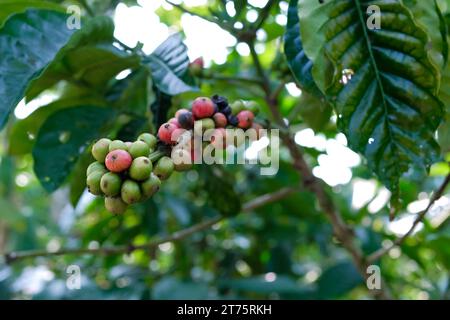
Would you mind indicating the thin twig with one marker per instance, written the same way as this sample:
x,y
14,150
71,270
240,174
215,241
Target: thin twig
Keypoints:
x,y
86,6
436,196
123,249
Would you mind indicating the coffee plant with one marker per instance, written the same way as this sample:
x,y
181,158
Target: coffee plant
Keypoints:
x,y
107,149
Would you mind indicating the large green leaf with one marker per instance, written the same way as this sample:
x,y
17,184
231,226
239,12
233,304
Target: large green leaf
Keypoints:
x,y
299,63
338,280
28,43
90,59
61,140
23,133
384,84
169,62
10,7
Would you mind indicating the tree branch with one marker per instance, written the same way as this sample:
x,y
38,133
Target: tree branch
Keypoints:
x,y
436,196
342,232
182,234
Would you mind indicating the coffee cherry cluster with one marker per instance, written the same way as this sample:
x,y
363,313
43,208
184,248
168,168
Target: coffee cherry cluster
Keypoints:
x,y
127,172
210,113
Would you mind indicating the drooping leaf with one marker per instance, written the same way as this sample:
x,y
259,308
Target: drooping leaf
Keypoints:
x,y
10,7
28,43
89,59
299,63
61,140
23,133
160,107
338,280
134,93
384,84
168,64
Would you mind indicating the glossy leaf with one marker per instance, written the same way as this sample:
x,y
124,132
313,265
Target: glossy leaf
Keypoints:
x,y
168,63
28,43
384,84
90,59
61,140
23,132
299,63
10,7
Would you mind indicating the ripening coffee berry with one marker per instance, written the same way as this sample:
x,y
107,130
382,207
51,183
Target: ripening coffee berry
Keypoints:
x,y
258,128
220,102
218,138
165,133
131,192
181,111
164,168
139,149
182,159
150,186
202,107
149,139
117,145
253,107
93,182
233,120
202,125
175,122
141,168
196,66
220,120
115,205
245,119
186,120
237,107
118,160
95,166
100,149
226,111
110,184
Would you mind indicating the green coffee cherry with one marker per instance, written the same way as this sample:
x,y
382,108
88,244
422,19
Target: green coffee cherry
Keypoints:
x,y
164,168
131,193
253,107
110,184
93,182
95,166
202,125
149,139
115,205
139,149
118,145
150,186
100,149
182,159
237,107
141,168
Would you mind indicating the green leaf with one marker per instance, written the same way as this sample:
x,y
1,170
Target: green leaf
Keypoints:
x,y
338,280
313,111
134,93
169,63
428,16
160,107
28,43
10,7
388,109
299,63
89,59
61,140
23,133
